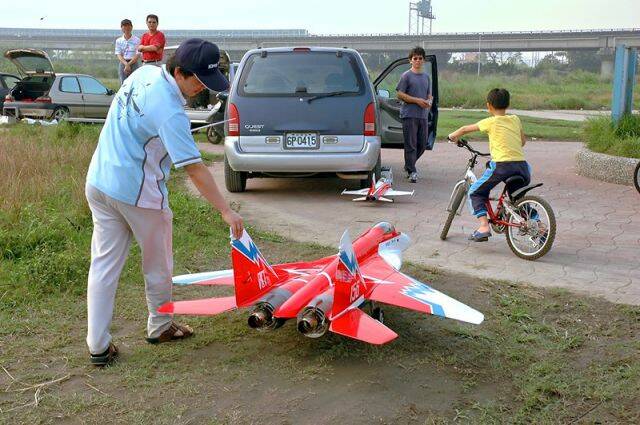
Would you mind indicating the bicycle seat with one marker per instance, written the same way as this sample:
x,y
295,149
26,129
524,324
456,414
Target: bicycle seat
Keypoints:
x,y
522,191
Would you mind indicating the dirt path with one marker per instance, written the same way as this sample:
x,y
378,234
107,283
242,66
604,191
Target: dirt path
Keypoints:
x,y
595,251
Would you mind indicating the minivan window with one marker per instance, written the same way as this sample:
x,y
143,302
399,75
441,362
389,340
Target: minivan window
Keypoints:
x,y
300,74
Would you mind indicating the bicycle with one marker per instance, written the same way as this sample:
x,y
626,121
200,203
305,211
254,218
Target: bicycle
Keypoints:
x,y
527,220
636,177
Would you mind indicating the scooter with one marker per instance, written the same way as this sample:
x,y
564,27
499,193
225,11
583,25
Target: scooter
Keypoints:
x,y
215,134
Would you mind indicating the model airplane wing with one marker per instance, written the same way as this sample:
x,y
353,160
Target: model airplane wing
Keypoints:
x,y
221,277
360,192
396,288
392,192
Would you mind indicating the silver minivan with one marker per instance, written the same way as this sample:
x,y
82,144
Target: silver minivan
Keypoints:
x,y
299,111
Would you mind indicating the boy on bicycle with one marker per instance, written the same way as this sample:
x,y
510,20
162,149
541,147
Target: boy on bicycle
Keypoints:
x,y
506,141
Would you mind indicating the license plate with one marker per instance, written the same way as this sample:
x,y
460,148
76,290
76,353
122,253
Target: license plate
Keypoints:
x,y
301,141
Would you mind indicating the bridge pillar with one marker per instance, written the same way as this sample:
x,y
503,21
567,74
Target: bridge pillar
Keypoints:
x,y
606,55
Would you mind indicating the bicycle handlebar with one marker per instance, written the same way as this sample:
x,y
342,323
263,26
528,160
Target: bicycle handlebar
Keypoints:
x,y
462,143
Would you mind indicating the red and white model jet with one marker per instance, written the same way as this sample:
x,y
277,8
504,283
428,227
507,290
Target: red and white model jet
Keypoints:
x,y
326,294
378,191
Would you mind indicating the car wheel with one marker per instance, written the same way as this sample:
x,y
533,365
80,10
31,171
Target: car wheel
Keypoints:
x,y
60,114
235,181
374,173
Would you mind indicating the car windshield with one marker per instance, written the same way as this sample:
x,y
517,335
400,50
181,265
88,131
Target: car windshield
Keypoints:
x,y
300,74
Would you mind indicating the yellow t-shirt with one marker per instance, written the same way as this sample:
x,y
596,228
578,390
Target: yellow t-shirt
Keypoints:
x,y
505,143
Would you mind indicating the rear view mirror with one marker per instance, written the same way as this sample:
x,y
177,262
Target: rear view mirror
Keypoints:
x,y
384,93
110,92
223,96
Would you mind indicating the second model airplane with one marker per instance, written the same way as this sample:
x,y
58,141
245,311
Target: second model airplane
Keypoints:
x,y
378,191
325,294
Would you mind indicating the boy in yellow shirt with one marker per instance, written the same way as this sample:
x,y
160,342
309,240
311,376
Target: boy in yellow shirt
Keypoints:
x,y
506,140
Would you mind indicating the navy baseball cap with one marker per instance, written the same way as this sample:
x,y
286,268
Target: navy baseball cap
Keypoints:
x,y
201,57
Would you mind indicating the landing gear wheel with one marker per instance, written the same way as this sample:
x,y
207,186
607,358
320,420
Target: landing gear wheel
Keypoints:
x,y
60,114
378,314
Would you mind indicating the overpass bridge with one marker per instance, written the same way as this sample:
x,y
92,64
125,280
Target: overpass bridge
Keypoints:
x,y
236,42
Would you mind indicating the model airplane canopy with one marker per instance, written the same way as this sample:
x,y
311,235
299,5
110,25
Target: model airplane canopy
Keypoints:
x,y
325,294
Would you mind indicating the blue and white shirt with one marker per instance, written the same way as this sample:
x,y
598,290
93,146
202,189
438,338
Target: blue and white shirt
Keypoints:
x,y
146,130
127,48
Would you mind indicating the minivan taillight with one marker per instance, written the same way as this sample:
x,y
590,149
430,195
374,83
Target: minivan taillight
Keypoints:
x,y
234,120
43,99
370,120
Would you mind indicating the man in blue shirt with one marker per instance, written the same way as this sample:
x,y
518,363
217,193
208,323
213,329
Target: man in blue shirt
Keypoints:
x,y
414,89
146,131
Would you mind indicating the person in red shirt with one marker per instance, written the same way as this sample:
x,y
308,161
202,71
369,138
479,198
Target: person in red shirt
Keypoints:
x,y
152,43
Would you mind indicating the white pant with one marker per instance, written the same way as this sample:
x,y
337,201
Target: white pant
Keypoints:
x,y
114,223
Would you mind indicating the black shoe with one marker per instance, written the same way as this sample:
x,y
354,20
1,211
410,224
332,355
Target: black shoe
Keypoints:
x,y
413,177
106,358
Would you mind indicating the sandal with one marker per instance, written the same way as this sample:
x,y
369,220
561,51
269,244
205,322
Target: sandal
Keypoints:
x,y
173,333
479,236
106,358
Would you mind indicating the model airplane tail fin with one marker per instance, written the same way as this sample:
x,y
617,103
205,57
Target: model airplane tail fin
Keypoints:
x,y
349,287
253,276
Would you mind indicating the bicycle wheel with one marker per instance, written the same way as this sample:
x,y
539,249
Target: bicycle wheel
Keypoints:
x,y
636,177
534,236
457,198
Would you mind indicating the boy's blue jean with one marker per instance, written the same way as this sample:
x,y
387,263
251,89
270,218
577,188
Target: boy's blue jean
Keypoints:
x,y
496,173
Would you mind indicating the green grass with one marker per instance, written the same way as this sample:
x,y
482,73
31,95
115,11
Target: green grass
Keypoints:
x,y
540,356
538,128
575,90
601,135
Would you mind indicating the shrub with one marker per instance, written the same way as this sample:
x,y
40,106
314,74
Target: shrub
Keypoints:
x,y
601,135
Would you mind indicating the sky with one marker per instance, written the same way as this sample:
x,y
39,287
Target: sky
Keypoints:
x,y
327,16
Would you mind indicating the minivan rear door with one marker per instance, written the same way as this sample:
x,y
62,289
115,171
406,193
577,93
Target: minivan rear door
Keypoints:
x,y
389,105
305,100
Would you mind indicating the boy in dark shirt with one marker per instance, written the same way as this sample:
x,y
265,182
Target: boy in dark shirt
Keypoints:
x,y
414,89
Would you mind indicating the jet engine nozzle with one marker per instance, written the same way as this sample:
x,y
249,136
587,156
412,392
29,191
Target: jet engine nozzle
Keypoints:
x,y
312,322
261,318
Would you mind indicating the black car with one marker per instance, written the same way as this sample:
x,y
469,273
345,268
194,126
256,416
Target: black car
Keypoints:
x,y
7,82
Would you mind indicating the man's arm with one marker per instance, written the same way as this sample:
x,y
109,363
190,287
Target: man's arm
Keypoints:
x,y
462,131
423,103
524,139
206,185
122,59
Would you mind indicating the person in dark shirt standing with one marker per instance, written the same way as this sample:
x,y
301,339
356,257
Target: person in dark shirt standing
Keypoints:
x,y
414,89
152,43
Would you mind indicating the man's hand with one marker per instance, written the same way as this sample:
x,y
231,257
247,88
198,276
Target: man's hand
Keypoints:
x,y
140,48
422,103
234,221
452,138
127,69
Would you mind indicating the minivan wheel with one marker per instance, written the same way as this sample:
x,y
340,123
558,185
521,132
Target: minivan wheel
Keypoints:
x,y
375,173
235,181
